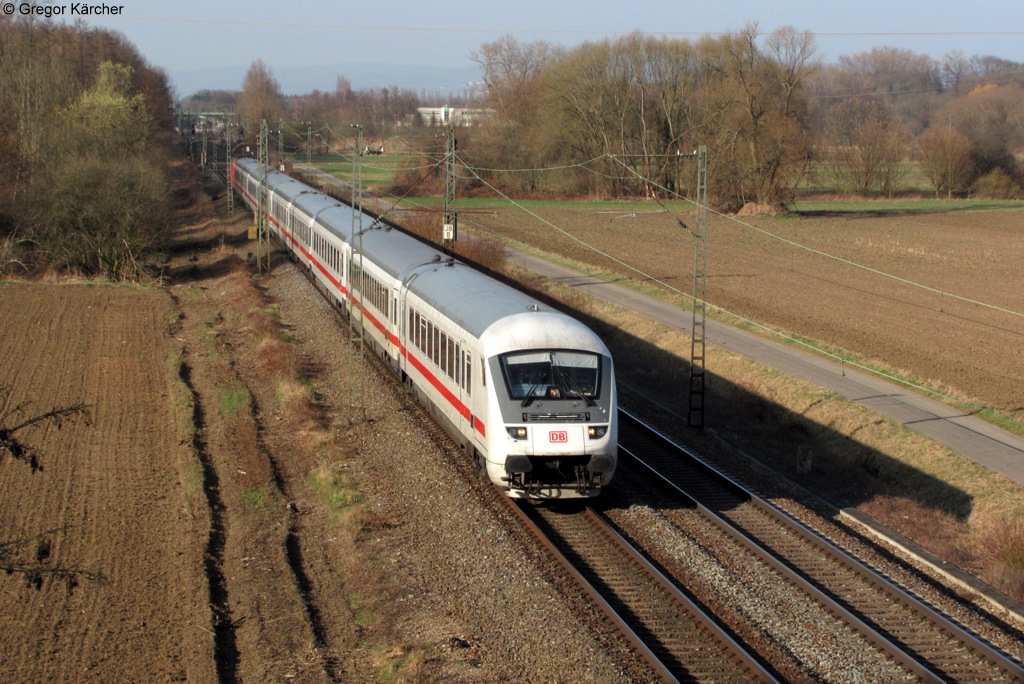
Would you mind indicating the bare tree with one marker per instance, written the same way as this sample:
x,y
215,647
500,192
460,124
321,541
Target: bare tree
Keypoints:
x,y
261,96
992,118
945,156
510,71
865,147
757,125
955,66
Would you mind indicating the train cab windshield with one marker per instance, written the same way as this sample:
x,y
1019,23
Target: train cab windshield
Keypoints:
x,y
552,374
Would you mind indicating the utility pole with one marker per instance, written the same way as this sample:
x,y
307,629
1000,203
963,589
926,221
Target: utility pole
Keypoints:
x,y
229,171
262,224
700,290
355,283
450,227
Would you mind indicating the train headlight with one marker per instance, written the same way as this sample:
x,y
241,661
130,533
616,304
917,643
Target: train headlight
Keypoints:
x,y
597,431
516,432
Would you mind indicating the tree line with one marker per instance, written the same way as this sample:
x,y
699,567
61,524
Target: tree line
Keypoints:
x,y
773,116
621,117
85,132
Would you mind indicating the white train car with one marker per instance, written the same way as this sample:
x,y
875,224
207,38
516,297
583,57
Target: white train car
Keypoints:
x,y
527,391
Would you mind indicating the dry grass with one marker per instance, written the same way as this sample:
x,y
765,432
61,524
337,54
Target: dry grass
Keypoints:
x,y
275,358
302,413
400,664
13,256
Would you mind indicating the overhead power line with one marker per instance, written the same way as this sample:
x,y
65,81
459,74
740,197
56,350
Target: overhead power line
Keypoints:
x,y
366,28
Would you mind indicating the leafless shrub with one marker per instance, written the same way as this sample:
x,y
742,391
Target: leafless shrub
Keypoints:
x,y
17,448
13,560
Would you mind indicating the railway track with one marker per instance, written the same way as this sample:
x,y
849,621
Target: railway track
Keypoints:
x,y
913,641
672,634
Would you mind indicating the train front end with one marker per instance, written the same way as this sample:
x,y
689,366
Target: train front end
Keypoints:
x,y
552,386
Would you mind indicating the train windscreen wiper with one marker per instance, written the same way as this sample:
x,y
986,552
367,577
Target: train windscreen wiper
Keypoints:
x,y
529,395
569,383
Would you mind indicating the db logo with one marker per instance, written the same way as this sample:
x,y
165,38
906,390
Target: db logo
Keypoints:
x,y
559,437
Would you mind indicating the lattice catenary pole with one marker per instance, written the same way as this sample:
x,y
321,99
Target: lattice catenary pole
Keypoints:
x,y
357,406
262,224
450,226
700,274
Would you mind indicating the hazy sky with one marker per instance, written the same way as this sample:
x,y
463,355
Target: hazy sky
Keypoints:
x,y
186,35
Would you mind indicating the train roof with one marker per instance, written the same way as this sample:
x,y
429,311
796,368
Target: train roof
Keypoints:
x,y
472,300
502,317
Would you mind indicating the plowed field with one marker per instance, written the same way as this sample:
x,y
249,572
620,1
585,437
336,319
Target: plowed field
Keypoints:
x,y
109,502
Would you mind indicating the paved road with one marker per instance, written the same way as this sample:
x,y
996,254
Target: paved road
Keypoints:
x,y
978,440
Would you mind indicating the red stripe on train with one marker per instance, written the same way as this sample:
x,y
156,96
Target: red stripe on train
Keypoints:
x,y
431,378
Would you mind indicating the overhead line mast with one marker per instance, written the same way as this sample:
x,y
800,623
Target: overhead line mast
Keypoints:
x,y
263,204
357,405
700,290
451,219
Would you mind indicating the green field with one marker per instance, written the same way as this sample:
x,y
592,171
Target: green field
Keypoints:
x,y
377,171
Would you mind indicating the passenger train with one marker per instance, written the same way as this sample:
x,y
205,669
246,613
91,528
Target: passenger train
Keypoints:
x,y
528,392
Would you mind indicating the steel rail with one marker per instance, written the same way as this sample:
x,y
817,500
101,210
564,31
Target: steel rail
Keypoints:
x,y
642,573
922,665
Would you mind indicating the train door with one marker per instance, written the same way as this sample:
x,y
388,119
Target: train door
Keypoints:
x,y
406,334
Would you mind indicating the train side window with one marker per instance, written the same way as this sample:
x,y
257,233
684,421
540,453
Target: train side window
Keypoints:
x,y
451,358
469,374
483,373
458,365
444,353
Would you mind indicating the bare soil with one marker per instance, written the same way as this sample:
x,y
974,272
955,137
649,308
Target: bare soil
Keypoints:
x,y
112,499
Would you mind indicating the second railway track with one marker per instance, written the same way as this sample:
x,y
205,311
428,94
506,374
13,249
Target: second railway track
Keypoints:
x,y
912,641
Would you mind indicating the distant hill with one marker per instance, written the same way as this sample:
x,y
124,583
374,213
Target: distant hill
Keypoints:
x,y
297,80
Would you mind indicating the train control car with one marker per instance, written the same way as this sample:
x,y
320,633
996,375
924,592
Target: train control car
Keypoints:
x,y
528,392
